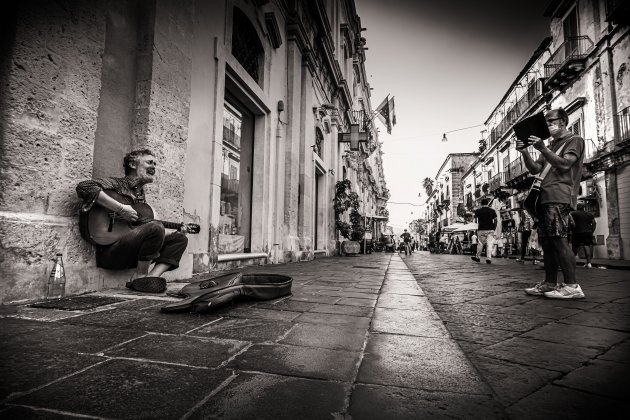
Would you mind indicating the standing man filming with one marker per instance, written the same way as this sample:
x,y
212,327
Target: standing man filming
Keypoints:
x,y
558,196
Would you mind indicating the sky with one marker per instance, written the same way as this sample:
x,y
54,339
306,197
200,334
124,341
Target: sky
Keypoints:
x,y
447,63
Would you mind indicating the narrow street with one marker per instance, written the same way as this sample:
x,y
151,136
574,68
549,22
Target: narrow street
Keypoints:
x,y
379,336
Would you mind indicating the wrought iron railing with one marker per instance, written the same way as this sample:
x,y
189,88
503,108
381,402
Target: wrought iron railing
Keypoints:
x,y
623,121
516,168
574,48
522,104
496,182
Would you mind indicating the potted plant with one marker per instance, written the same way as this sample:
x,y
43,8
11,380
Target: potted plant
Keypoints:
x,y
353,232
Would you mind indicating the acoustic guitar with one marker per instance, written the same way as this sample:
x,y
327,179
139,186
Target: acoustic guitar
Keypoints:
x,y
101,226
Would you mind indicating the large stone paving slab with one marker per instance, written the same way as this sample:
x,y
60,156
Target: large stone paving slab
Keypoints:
x,y
380,402
298,361
408,322
326,336
254,330
395,301
609,320
358,322
542,354
619,353
559,403
600,377
342,310
32,367
577,335
192,351
480,335
419,363
17,335
262,396
510,381
129,390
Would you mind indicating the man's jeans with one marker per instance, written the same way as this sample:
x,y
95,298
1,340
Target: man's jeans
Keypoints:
x,y
147,242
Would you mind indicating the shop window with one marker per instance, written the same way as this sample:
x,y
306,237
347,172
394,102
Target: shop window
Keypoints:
x,y
235,206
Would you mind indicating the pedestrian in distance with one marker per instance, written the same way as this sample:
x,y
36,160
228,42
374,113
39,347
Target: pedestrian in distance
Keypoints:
x,y
486,218
583,226
473,243
406,242
558,196
525,228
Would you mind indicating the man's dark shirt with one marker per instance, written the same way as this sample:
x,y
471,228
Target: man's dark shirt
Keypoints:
x,y
486,217
127,186
583,222
406,237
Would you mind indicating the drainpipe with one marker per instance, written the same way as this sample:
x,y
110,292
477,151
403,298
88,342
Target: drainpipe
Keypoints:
x,y
613,90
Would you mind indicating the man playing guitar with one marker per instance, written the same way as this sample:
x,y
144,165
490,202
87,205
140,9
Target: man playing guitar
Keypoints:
x,y
145,244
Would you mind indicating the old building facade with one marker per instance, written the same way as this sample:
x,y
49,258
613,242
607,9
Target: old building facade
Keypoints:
x,y
581,67
241,101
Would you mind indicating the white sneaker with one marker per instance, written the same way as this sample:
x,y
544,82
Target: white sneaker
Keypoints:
x,y
540,289
564,291
589,265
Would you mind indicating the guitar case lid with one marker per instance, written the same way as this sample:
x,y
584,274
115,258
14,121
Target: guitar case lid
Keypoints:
x,y
208,294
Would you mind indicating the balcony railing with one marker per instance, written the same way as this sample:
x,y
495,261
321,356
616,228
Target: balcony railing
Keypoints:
x,y
515,169
496,182
522,104
567,62
231,137
623,120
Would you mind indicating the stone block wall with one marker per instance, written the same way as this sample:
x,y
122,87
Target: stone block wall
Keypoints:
x,y
51,84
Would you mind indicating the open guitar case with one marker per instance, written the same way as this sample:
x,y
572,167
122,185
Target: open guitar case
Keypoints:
x,y
205,295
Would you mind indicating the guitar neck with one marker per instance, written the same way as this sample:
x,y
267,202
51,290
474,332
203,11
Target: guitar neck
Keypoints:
x,y
169,225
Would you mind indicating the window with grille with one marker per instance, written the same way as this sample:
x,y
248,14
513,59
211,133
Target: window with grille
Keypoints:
x,y
246,46
576,128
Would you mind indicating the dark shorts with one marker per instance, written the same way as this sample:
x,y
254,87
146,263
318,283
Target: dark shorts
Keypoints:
x,y
585,239
554,220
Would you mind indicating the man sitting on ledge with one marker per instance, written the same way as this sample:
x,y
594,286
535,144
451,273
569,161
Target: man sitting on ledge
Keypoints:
x,y
147,243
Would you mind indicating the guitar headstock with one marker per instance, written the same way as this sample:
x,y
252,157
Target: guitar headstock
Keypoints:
x,y
192,228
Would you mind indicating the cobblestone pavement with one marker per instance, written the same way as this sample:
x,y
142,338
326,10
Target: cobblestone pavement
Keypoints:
x,y
379,336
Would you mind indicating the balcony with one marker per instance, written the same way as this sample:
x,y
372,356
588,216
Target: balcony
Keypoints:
x,y
496,182
623,121
567,62
516,168
534,92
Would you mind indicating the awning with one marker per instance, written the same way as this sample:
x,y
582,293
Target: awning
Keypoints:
x,y
467,227
378,217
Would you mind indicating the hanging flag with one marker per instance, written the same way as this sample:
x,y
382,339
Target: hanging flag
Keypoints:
x,y
382,112
392,112
385,113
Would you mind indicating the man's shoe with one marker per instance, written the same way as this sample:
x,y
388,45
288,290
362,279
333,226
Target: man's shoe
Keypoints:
x,y
565,291
535,262
540,289
518,260
488,262
589,265
476,259
148,284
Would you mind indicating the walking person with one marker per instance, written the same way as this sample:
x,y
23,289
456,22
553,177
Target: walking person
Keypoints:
x,y
525,227
583,227
561,166
473,243
486,218
406,242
